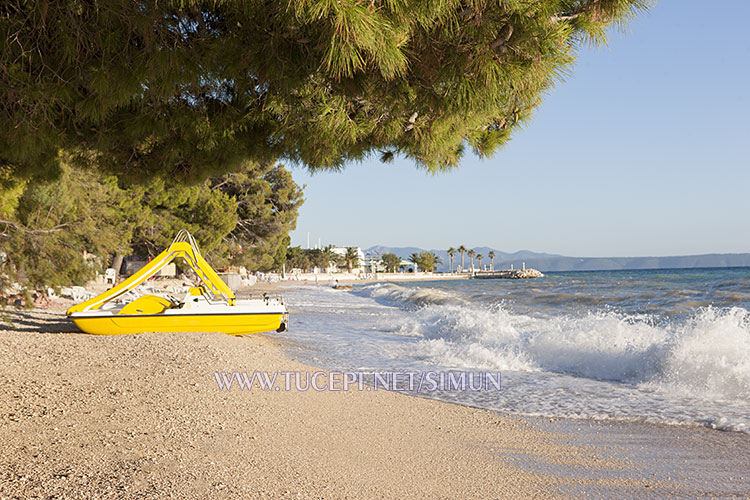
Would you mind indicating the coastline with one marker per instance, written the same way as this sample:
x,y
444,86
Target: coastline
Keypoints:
x,y
141,415
329,281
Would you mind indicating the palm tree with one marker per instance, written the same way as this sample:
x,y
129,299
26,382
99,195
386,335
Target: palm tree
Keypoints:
x,y
451,253
392,262
416,259
424,261
430,261
479,258
352,258
462,250
471,256
328,258
492,260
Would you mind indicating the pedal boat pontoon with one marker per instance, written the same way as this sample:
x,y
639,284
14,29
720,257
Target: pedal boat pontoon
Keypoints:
x,y
210,307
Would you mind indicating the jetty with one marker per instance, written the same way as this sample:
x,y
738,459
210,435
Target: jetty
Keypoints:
x,y
507,274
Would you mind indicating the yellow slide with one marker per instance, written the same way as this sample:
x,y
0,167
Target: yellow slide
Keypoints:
x,y
184,246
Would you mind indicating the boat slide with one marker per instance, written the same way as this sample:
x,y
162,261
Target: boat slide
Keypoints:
x,y
210,307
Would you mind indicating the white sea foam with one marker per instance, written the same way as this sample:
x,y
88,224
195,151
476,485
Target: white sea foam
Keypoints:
x,y
711,357
413,296
599,364
707,356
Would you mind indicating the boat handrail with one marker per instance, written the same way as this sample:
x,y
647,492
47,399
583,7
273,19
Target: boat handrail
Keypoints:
x,y
184,246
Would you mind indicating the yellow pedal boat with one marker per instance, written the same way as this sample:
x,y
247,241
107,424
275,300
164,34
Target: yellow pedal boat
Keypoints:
x,y
210,307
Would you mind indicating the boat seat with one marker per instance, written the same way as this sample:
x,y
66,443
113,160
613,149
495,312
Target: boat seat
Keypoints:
x,y
147,304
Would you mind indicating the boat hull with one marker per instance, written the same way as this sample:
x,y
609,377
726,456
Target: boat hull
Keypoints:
x,y
232,324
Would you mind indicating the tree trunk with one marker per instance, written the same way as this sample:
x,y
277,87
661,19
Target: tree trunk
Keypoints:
x,y
117,262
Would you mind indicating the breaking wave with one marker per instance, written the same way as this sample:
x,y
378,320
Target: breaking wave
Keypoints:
x,y
409,297
706,356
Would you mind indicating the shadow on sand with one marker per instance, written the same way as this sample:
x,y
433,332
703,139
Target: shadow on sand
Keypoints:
x,y
36,321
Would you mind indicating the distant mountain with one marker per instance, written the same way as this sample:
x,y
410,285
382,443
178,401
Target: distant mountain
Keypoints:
x,y
500,256
402,252
633,263
521,254
553,262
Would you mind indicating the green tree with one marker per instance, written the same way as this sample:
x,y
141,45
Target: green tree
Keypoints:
x,y
52,229
479,258
325,258
11,189
462,251
59,231
242,218
429,261
320,257
352,258
297,258
451,253
416,259
188,89
279,258
425,261
471,256
267,204
209,216
492,260
392,262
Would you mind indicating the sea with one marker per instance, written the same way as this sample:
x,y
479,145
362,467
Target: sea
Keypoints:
x,y
664,346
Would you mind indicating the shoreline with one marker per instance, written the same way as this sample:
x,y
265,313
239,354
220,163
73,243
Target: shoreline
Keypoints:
x,y
131,415
351,279
275,286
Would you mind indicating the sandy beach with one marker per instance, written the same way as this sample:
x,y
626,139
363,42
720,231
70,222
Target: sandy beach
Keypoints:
x,y
141,416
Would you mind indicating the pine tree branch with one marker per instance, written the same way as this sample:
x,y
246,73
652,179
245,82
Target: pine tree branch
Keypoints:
x,y
569,17
575,14
21,228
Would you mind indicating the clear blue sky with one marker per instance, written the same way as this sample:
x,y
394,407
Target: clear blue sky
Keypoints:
x,y
643,150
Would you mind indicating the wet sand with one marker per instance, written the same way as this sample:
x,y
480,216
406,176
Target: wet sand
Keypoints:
x,y
667,461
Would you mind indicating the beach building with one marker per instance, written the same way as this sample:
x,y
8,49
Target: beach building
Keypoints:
x,y
341,252
373,263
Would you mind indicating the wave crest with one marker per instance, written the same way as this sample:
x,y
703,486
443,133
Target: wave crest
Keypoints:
x,y
706,356
404,296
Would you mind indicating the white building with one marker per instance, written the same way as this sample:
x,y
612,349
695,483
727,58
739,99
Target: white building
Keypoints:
x,y
341,251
